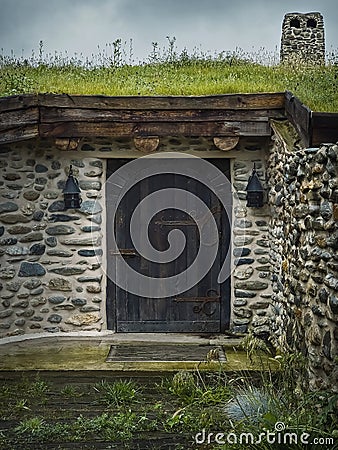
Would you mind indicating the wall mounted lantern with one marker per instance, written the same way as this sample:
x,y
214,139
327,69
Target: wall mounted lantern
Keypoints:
x,y
71,192
255,191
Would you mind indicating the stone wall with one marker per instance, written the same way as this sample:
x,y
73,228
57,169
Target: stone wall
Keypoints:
x,y
303,38
251,274
50,274
304,242
52,261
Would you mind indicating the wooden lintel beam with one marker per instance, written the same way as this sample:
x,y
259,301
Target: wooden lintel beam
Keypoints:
x,y
18,102
19,134
75,116
19,118
214,129
52,115
227,101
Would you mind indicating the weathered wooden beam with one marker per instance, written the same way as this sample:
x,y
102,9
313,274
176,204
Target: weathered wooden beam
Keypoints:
x,y
228,101
19,134
19,118
300,116
214,129
51,115
18,102
218,116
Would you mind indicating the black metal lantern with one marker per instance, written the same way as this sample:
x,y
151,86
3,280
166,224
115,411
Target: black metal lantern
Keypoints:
x,y
71,192
255,191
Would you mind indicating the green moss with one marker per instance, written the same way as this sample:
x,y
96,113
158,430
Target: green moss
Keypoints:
x,y
74,356
285,130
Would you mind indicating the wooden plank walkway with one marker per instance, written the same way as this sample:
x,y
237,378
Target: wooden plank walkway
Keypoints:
x,y
75,397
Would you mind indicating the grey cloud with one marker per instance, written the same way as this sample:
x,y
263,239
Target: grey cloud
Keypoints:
x,y
81,25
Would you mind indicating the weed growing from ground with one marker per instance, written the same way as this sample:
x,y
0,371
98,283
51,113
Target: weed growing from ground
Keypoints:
x,y
21,405
38,388
191,388
118,394
33,426
70,391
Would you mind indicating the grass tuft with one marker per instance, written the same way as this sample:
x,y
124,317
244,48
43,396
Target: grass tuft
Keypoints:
x,y
118,394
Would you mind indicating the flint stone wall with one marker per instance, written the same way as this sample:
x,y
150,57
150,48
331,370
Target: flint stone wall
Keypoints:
x,y
303,194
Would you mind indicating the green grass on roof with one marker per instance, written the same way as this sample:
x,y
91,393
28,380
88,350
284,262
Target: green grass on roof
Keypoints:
x,y
172,74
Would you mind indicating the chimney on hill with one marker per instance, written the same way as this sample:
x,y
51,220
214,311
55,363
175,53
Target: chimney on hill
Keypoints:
x,y
303,38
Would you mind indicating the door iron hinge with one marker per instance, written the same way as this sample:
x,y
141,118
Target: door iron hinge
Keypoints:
x,y
203,302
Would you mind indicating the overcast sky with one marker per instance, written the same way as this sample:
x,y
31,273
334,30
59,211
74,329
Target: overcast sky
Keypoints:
x,y
214,25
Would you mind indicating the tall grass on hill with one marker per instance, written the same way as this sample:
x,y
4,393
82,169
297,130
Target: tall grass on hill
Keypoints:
x,y
113,71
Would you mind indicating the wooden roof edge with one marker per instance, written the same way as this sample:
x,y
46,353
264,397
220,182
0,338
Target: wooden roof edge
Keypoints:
x,y
180,96
300,117
22,113
27,116
314,127
18,102
263,100
24,101
290,97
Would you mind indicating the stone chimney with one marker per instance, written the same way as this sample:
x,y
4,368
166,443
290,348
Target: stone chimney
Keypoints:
x,y
303,38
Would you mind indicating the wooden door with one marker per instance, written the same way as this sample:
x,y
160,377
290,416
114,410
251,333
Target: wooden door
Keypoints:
x,y
205,308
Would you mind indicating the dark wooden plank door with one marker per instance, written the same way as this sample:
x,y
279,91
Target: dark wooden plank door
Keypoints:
x,y
204,308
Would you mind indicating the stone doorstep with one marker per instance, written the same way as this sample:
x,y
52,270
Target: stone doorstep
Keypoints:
x,y
96,362
89,351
